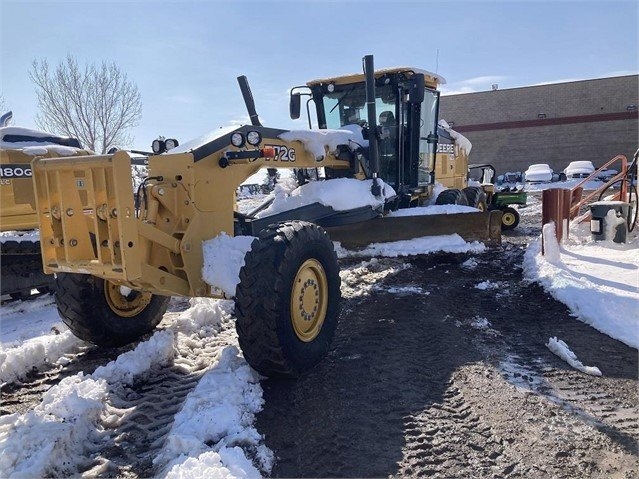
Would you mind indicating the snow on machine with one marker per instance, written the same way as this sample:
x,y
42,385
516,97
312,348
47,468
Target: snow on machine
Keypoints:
x,y
181,231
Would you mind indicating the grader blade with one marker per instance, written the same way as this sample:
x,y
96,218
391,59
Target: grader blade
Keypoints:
x,y
483,227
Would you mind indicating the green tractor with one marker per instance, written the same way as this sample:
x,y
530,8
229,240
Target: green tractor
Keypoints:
x,y
502,199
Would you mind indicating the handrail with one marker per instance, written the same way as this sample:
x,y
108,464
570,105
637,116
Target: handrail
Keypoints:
x,y
574,209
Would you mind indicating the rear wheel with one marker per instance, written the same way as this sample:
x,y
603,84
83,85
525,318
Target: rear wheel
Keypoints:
x,y
287,301
509,218
476,197
104,313
451,197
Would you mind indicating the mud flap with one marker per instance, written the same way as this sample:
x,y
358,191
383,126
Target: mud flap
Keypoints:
x,y
483,227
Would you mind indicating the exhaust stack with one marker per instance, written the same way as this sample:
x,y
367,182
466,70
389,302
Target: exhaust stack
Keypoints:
x,y
369,74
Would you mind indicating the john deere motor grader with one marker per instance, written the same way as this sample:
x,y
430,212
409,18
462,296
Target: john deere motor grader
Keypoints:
x,y
94,232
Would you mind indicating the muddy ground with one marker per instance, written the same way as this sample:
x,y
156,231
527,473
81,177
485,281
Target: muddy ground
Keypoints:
x,y
432,377
428,376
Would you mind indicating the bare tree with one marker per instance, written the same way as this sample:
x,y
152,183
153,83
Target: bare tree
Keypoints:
x,y
2,104
96,104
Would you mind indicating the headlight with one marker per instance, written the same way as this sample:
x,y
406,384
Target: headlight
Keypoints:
x,y
330,88
170,143
158,146
237,139
254,138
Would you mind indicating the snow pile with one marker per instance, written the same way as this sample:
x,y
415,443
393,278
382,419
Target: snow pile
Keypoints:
x,y
16,362
219,411
484,285
341,194
32,336
319,142
470,263
54,438
425,245
223,259
598,281
562,350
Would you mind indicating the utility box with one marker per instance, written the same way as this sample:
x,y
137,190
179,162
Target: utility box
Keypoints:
x,y
609,221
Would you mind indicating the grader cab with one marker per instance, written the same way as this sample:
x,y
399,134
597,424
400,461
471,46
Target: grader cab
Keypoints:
x,y
118,256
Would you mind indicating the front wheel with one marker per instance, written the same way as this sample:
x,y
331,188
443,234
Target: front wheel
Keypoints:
x,y
288,299
509,218
104,313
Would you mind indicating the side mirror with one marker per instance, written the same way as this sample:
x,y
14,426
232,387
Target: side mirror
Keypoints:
x,y
295,106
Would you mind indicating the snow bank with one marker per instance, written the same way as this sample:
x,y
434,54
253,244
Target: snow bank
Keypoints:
x,y
32,335
427,244
223,259
562,350
54,438
219,411
598,281
16,362
341,194
319,142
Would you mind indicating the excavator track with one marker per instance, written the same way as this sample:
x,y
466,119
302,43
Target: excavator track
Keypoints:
x,y
22,268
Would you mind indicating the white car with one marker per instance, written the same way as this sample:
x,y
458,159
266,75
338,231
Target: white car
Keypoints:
x,y
579,169
538,173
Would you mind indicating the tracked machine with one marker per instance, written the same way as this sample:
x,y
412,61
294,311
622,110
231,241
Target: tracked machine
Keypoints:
x,y
118,256
20,260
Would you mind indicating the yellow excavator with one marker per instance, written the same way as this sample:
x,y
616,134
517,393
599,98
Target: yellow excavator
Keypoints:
x,y
118,256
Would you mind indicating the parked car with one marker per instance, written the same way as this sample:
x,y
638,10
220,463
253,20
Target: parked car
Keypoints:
x,y
579,169
538,173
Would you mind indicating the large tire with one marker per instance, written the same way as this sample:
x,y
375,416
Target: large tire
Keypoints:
x,y
451,197
288,300
476,197
509,218
96,311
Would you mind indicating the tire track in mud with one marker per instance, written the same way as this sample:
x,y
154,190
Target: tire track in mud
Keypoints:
x,y
22,395
456,381
138,418
610,403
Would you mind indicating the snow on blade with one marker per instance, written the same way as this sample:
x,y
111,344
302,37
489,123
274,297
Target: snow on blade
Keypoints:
x,y
341,194
223,259
220,411
562,350
53,439
598,281
433,210
427,244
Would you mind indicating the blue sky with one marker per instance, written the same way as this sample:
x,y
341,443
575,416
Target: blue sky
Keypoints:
x,y
185,56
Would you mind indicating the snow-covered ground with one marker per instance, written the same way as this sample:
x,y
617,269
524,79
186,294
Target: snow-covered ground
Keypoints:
x,y
213,434
598,281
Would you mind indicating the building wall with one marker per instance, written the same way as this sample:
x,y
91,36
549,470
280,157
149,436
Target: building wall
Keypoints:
x,y
554,124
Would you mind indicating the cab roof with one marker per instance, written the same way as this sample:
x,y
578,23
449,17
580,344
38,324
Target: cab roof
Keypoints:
x,y
432,80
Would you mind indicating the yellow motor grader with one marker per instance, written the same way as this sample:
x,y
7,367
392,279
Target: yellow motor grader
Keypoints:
x,y
118,257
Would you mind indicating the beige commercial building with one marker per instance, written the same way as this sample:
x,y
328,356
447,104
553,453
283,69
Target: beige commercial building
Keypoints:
x,y
555,124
